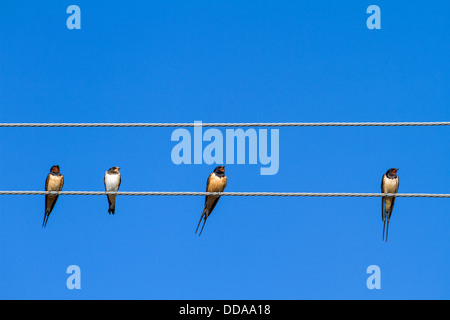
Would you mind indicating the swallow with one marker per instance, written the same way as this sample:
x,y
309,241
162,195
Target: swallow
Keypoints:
x,y
217,181
54,182
112,183
389,184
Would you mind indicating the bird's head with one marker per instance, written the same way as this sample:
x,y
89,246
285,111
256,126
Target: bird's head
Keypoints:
x,y
392,172
54,169
114,169
220,170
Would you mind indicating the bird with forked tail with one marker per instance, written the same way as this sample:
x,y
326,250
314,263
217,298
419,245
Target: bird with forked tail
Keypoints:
x,y
54,182
217,181
112,183
389,184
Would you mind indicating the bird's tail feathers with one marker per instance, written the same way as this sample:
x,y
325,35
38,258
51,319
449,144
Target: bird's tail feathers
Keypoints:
x,y
386,218
204,216
387,227
112,208
44,223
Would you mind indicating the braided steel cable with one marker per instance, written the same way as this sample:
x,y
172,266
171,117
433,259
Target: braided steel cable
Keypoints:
x,y
235,194
256,124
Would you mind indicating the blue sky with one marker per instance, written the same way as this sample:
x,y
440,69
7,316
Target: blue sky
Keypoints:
x,y
225,61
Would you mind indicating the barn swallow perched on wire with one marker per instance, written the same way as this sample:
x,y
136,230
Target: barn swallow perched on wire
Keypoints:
x,y
389,184
217,181
112,183
54,182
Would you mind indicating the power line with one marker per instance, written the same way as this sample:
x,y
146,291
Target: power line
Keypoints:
x,y
236,194
255,124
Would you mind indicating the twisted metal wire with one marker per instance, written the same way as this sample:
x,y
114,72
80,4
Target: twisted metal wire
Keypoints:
x,y
236,194
255,124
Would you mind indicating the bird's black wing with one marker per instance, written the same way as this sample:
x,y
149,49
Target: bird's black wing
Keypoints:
x,y
393,198
53,205
214,204
46,196
207,186
382,200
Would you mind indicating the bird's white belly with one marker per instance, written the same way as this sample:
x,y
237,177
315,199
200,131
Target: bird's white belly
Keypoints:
x,y
112,182
390,185
54,183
